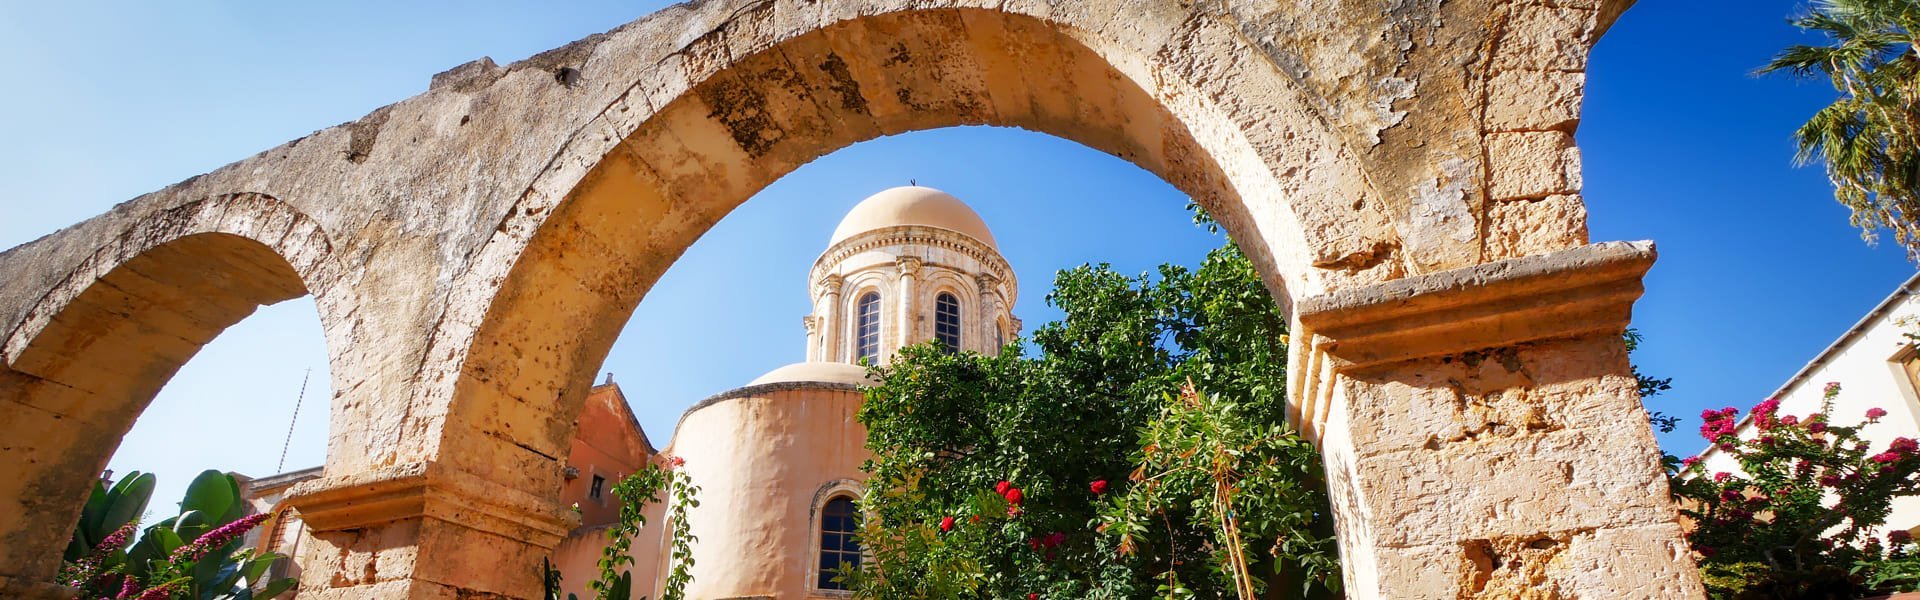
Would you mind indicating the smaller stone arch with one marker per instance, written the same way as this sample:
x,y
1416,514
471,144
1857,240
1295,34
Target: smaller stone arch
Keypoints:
x,y
857,288
839,488
88,356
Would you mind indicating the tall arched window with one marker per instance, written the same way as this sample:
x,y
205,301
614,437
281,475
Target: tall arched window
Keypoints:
x,y
839,548
946,320
866,335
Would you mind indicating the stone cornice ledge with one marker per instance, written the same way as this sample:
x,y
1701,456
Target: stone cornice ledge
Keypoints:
x,y
1571,292
428,490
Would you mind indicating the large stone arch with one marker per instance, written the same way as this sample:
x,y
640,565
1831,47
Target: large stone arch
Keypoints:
x,y
1403,173
95,349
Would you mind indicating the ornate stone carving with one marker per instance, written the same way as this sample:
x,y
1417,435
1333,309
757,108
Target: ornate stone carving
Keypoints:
x,y
909,265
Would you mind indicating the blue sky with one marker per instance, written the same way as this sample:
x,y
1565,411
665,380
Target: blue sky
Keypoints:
x,y
1758,271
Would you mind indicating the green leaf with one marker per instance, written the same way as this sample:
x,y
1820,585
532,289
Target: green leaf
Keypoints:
x,y
216,495
127,501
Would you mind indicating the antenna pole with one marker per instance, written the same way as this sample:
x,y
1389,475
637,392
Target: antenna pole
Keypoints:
x,y
282,467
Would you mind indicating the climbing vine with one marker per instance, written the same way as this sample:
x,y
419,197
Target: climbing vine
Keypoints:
x,y
634,493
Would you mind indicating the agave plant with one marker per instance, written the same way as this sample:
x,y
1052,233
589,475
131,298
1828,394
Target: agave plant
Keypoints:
x,y
194,555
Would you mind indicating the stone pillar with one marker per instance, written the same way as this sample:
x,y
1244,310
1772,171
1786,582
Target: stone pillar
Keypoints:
x,y
1483,435
370,530
829,310
909,310
985,325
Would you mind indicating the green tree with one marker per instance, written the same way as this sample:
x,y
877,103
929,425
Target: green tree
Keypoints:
x,y
1869,138
1010,476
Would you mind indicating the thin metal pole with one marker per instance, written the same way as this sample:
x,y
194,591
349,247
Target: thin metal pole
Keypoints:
x,y
296,419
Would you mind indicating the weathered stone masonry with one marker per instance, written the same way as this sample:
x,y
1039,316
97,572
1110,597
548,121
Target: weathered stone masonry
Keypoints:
x,y
1400,170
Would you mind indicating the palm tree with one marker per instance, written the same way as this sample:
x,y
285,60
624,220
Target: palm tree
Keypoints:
x,y
1869,138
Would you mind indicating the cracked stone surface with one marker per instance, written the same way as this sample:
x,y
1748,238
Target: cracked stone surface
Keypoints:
x,y
474,249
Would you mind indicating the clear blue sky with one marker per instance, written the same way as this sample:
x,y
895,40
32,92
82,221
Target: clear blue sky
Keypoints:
x,y
1758,270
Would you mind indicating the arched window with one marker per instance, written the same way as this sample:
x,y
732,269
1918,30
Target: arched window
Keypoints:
x,y
866,334
839,548
946,320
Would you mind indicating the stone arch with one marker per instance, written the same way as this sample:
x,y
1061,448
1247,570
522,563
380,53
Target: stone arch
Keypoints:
x,y
93,351
640,184
1327,186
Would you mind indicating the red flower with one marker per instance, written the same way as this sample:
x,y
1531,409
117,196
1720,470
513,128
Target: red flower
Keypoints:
x,y
973,519
1098,487
677,461
1817,427
1013,511
1899,536
1722,477
1054,540
1833,387
1033,597
1789,420
1904,445
1688,462
1830,480
946,524
1729,495
1886,457
1876,412
1002,487
1014,496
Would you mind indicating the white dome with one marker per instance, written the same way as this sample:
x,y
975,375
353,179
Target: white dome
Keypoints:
x,y
824,372
913,206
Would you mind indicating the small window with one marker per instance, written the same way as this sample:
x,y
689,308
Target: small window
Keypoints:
x,y
946,321
867,328
839,544
593,491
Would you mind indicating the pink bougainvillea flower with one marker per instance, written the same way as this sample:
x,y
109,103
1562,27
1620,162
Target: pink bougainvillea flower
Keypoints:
x,y
1833,387
1876,412
677,462
1729,495
1829,480
1098,486
1054,540
1690,461
1886,457
1899,536
1722,477
1904,445
946,524
1789,420
1817,427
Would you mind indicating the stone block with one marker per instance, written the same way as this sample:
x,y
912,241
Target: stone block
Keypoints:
x,y
1527,100
1532,164
1517,228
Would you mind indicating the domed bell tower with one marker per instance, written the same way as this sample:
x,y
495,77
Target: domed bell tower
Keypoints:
x,y
909,265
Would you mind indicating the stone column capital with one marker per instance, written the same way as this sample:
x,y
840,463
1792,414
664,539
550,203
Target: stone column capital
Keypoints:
x,y
908,265
1571,292
832,283
812,324
988,283
428,490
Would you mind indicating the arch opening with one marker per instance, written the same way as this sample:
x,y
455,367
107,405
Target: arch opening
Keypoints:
x,y
93,354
